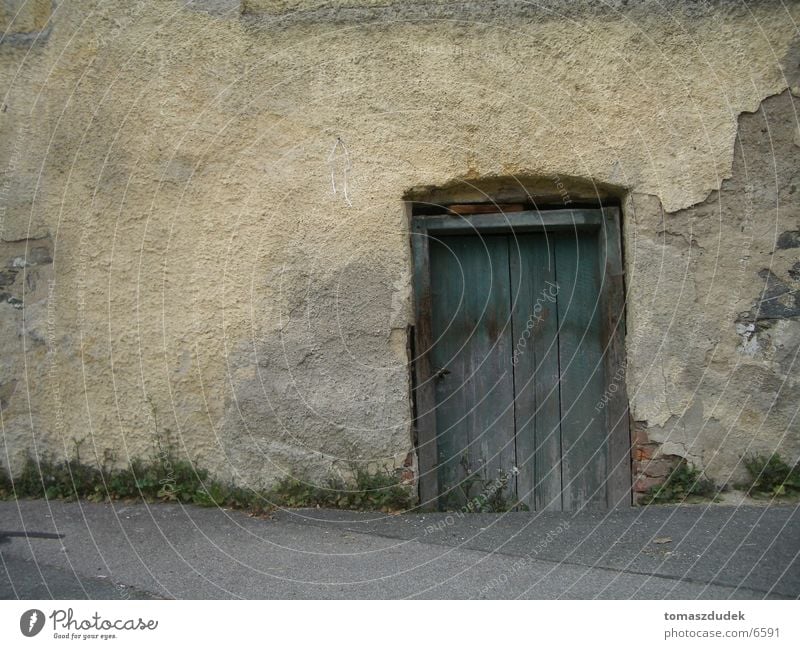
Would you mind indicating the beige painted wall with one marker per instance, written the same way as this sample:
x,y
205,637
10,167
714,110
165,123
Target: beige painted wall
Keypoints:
x,y
172,164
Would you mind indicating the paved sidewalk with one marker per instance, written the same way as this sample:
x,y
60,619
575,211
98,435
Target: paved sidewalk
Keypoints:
x,y
119,550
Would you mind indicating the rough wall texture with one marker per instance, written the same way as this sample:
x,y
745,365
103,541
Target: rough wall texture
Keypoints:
x,y
713,351
176,262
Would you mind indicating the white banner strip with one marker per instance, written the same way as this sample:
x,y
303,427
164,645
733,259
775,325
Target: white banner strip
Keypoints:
x,y
399,624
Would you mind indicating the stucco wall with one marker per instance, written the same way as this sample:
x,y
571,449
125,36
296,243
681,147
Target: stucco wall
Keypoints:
x,y
170,163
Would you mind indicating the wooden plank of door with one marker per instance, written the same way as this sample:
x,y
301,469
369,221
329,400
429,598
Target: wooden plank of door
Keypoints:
x,y
615,401
583,434
534,292
425,398
471,329
501,223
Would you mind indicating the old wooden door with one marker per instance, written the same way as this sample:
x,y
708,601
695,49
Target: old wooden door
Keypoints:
x,y
517,360
471,355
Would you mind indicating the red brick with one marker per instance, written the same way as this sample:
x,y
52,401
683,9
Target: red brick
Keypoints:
x,y
659,467
645,452
407,476
640,437
643,483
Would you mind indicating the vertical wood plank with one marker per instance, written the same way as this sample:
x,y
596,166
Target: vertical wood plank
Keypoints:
x,y
583,434
425,398
471,330
534,293
615,400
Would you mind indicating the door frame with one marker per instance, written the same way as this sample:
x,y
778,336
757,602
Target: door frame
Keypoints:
x,y
605,222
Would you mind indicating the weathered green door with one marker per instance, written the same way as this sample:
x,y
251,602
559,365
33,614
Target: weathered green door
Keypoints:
x,y
517,362
473,375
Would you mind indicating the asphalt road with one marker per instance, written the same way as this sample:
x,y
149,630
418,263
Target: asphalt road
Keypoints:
x,y
127,551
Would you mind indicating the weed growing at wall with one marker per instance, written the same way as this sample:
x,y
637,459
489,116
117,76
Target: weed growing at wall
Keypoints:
x,y
178,481
175,480
771,476
684,484
373,491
